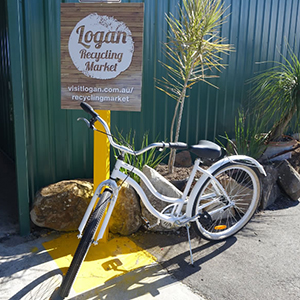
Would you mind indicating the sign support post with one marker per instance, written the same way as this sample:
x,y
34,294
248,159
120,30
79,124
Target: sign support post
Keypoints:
x,y
101,157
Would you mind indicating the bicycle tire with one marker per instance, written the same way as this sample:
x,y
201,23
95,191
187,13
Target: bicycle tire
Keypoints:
x,y
83,247
242,184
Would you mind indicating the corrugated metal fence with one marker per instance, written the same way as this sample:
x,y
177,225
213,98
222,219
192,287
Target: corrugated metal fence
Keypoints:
x,y
258,29
59,148
6,106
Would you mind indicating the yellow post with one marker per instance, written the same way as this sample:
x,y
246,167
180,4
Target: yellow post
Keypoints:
x,y
101,156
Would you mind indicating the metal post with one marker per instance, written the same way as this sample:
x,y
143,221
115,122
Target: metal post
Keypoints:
x,y
101,157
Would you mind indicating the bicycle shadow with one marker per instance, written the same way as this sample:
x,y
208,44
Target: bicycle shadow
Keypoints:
x,y
152,279
172,245
18,254
35,289
172,252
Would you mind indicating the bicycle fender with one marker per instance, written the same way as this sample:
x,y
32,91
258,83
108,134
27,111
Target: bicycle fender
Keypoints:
x,y
241,159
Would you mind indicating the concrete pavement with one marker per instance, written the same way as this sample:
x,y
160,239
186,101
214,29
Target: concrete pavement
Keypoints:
x,y
261,262
26,269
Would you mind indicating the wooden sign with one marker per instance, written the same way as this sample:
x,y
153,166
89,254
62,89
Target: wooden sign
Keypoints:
x,y
102,55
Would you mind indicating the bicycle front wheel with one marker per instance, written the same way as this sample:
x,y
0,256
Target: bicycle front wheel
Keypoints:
x,y
220,216
83,247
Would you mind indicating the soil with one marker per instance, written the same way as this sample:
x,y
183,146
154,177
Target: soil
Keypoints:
x,y
180,173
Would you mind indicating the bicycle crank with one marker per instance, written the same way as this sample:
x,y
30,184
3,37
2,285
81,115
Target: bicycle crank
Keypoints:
x,y
205,219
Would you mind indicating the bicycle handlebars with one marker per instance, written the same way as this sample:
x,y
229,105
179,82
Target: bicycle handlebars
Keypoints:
x,y
95,117
87,108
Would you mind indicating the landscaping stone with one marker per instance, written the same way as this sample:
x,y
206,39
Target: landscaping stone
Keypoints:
x,y
126,216
270,189
164,187
61,206
289,180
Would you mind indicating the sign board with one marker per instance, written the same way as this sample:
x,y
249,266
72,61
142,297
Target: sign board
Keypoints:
x,y
102,55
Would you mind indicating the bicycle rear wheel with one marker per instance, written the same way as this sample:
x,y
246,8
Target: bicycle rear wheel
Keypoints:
x,y
220,217
83,247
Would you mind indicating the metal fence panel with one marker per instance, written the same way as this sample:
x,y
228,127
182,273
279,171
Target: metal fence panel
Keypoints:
x,y
7,143
58,146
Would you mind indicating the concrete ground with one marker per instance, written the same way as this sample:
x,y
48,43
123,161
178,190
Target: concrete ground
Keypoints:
x,y
260,262
28,271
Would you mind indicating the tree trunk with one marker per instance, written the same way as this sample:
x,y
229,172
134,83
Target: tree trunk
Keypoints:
x,y
173,151
279,128
181,101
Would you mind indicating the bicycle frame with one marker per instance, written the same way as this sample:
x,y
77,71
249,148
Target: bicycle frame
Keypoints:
x,y
176,216
111,183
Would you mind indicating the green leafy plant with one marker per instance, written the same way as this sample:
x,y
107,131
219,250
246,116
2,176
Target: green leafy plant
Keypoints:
x,y
194,48
151,158
247,140
276,95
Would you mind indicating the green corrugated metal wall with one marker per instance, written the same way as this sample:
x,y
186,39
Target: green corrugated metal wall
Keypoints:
x,y
59,148
7,144
257,29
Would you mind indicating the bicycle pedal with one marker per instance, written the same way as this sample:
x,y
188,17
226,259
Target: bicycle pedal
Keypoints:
x,y
146,222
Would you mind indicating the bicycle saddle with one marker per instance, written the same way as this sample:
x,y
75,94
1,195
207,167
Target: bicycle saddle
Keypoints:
x,y
206,149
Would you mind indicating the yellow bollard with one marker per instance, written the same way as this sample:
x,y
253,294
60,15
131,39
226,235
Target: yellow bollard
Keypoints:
x,y
101,157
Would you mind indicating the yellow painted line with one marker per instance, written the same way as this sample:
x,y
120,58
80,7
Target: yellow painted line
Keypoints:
x,y
103,262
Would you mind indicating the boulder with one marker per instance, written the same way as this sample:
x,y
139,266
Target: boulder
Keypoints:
x,y
270,189
289,180
164,187
61,206
126,216
183,159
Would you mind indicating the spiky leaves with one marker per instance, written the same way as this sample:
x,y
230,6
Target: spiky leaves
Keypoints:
x,y
194,49
276,94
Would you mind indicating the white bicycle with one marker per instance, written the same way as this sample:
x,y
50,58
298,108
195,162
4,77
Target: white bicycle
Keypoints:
x,y
220,204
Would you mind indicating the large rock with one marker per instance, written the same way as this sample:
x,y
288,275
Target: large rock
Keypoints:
x,y
289,180
164,187
61,206
126,216
270,189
